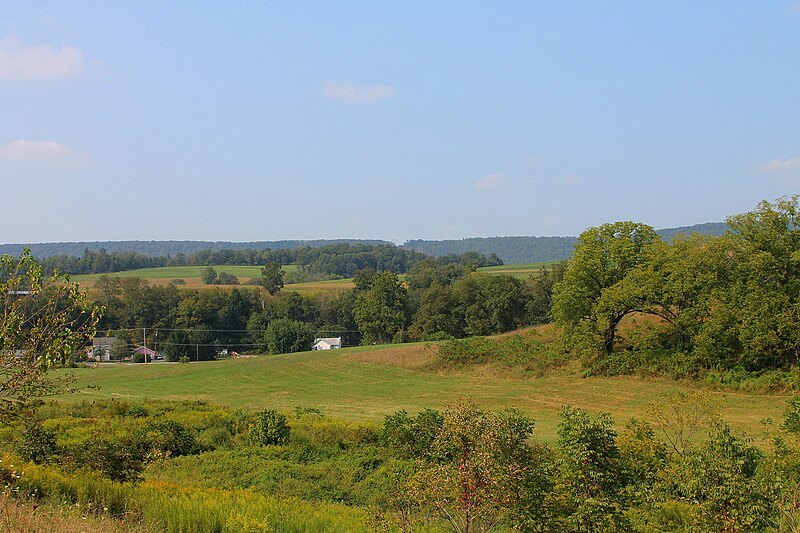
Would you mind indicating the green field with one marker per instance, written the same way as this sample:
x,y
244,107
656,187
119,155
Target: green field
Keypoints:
x,y
182,272
522,270
367,383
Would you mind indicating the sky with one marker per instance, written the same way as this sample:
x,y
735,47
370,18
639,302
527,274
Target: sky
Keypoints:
x,y
242,121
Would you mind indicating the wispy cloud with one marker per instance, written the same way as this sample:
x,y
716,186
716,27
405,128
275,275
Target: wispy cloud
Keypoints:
x,y
43,152
22,61
787,170
353,92
491,182
794,8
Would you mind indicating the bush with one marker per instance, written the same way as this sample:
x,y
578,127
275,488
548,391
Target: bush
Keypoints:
x,y
269,427
38,444
168,437
139,358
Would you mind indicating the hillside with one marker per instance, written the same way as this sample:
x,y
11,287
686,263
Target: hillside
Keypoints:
x,y
368,383
515,250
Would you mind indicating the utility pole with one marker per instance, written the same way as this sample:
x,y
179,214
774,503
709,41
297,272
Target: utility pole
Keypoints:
x,y
144,344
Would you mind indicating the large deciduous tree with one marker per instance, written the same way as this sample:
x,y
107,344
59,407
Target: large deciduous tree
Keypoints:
x,y
382,312
602,257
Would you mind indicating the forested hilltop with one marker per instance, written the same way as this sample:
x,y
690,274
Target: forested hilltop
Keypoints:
x,y
517,250
511,250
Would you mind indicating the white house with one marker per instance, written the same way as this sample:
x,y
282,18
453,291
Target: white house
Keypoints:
x,y
101,348
327,343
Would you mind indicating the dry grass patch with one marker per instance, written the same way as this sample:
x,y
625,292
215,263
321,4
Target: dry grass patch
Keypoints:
x,y
413,357
18,516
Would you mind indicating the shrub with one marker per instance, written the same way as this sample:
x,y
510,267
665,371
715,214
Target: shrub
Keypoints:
x,y
169,437
269,427
139,358
38,444
136,411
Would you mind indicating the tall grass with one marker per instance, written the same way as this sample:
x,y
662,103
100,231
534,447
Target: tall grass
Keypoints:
x,y
171,508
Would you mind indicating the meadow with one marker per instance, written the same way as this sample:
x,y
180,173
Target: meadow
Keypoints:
x,y
367,383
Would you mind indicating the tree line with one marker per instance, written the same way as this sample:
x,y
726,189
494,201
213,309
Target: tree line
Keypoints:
x,y
333,260
439,299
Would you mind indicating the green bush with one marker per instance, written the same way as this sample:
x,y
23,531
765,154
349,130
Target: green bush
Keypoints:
x,y
38,443
269,427
168,437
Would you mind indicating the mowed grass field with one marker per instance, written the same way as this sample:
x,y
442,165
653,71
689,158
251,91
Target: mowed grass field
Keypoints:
x,y
369,382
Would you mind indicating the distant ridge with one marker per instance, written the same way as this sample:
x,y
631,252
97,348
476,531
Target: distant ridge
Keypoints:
x,y
516,250
512,250
164,248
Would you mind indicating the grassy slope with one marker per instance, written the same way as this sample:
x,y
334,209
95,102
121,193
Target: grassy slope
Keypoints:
x,y
365,384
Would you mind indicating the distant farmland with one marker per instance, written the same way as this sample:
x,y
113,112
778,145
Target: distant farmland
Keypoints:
x,y
191,277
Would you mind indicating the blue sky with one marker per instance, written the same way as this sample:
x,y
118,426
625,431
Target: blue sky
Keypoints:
x,y
299,120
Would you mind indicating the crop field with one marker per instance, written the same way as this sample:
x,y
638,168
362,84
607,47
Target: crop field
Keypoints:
x,y
191,278
522,270
368,383
182,272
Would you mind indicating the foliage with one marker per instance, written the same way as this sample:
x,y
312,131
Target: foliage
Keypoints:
x,y
591,477
272,277
269,427
602,258
681,415
478,465
411,437
382,312
43,324
286,336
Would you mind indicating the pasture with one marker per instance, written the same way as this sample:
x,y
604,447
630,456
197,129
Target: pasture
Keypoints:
x,y
370,382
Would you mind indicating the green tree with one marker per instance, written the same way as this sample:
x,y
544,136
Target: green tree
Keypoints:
x,y
226,278
479,466
591,478
602,258
382,312
44,323
286,336
272,277
490,303
209,276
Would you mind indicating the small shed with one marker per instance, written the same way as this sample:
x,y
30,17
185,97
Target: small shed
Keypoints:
x,y
145,351
327,343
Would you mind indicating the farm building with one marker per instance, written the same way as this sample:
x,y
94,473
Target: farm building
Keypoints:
x,y
327,343
101,348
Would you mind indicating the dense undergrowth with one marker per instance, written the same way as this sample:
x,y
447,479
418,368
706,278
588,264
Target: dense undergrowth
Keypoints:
x,y
192,466
540,352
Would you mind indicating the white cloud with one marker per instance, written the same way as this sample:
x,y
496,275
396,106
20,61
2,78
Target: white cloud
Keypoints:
x,y
787,170
43,152
22,61
492,182
353,92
